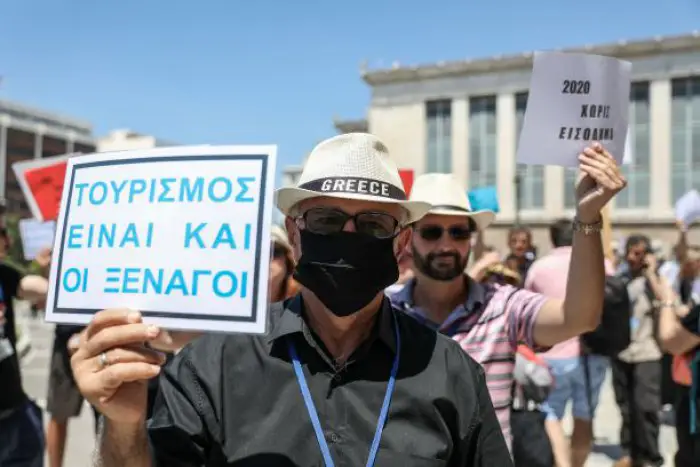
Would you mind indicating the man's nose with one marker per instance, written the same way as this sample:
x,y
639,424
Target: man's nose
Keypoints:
x,y
349,226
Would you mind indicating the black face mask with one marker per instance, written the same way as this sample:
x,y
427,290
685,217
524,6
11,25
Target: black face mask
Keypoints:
x,y
425,264
346,270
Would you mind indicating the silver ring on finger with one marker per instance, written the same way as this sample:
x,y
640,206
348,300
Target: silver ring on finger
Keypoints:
x,y
104,360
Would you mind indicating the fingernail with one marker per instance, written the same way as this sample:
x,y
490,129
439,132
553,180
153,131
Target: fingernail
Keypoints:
x,y
155,368
133,317
152,331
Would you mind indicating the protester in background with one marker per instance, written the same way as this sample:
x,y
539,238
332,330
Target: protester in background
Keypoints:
x,y
490,322
21,430
501,275
281,283
346,221
64,401
522,252
679,333
480,268
681,272
573,381
637,370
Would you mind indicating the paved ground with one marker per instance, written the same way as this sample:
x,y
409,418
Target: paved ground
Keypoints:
x,y
81,438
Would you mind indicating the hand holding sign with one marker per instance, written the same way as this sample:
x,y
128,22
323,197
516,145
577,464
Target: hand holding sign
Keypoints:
x,y
112,366
601,180
574,100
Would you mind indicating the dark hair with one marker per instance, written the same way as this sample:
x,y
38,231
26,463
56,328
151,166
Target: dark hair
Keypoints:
x,y
636,239
561,233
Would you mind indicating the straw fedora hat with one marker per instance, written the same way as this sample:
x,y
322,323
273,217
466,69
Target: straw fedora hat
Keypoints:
x,y
448,198
350,166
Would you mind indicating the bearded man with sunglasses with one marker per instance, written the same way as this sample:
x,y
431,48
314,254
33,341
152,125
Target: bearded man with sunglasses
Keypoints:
x,y
490,321
342,376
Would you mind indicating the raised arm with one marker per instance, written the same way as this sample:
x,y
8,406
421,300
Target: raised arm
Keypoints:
x,y
580,311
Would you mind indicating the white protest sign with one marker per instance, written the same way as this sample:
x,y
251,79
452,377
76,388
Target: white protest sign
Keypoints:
x,y
181,234
36,235
688,208
574,100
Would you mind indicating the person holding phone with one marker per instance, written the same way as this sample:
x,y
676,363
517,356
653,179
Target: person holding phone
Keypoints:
x,y
636,370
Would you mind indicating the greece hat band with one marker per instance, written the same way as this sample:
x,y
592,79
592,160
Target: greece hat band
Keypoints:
x,y
355,186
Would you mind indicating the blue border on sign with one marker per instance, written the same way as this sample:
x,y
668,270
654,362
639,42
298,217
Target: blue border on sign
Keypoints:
x,y
169,314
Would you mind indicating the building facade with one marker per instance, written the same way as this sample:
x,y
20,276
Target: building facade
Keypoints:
x,y
28,133
125,140
465,117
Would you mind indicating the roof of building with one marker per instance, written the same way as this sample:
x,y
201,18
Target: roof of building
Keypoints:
x,y
24,112
621,49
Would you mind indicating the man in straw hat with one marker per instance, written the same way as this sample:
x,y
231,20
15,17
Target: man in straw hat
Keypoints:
x,y
342,376
489,322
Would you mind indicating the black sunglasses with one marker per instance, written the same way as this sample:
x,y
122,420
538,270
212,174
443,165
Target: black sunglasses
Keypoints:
x,y
327,221
432,233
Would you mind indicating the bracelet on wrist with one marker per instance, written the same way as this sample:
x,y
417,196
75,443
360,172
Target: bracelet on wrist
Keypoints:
x,y
587,228
666,303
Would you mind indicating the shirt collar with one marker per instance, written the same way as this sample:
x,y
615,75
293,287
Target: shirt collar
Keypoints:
x,y
292,321
403,299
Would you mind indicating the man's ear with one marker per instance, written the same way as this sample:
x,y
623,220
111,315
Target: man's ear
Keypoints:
x,y
403,241
293,237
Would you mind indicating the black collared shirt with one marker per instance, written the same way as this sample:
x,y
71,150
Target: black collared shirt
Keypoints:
x,y
234,400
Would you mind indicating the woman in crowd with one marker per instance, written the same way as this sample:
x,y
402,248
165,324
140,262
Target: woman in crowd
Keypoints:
x,y
281,283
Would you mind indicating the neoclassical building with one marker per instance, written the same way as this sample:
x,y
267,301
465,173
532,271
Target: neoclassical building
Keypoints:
x,y
465,117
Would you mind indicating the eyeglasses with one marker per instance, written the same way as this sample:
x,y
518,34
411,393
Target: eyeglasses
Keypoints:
x,y
432,233
327,221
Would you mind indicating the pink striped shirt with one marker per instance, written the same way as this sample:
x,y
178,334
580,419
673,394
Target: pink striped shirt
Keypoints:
x,y
489,334
548,276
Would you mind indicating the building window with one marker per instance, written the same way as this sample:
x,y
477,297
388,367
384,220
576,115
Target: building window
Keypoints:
x,y
439,120
570,175
482,142
636,195
531,177
685,145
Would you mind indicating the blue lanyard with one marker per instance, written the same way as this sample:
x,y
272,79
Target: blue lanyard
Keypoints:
x,y
383,414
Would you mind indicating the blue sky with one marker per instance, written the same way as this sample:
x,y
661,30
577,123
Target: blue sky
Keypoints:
x,y
229,71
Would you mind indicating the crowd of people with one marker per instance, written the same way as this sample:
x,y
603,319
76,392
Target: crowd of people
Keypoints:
x,y
398,336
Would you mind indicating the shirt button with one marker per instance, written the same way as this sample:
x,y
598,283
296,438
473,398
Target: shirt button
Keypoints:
x,y
334,438
337,377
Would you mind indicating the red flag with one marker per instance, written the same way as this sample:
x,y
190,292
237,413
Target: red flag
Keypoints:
x,y
407,179
46,185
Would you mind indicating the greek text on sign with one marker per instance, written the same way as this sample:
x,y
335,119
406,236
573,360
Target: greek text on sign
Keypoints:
x,y
181,234
574,100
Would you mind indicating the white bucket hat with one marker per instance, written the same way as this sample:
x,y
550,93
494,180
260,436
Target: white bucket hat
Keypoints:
x,y
448,198
350,166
